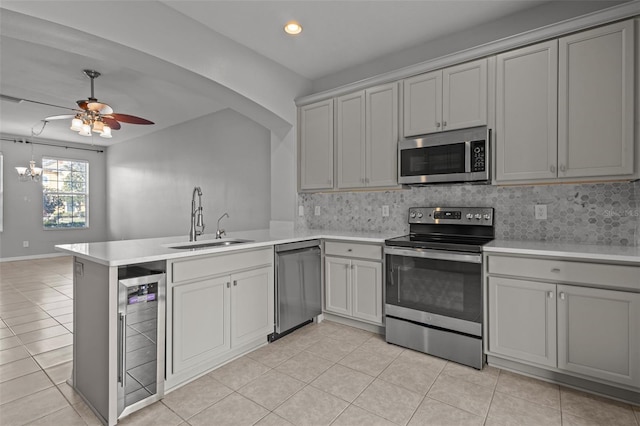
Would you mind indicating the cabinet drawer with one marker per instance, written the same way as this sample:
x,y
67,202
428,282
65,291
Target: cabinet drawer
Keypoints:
x,y
206,266
566,271
364,251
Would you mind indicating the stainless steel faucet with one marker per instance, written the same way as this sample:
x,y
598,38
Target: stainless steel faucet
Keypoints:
x,y
196,215
220,232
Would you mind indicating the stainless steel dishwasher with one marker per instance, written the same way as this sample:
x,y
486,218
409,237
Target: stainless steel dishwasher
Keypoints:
x,y
298,286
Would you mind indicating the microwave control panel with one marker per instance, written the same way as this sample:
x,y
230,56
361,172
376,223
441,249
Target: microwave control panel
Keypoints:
x,y
478,155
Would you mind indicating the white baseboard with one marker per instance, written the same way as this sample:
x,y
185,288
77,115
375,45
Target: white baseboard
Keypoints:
x,y
32,257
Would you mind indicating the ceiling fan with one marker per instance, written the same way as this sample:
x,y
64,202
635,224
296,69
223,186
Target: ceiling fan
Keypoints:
x,y
92,115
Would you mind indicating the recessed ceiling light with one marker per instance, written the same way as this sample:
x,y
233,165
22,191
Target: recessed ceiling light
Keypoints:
x,y
293,28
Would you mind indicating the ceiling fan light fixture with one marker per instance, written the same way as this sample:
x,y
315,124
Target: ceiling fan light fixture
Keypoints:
x,y
98,126
86,130
106,132
76,124
292,28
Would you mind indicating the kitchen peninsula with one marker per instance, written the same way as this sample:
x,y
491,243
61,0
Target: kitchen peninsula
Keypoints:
x,y
208,320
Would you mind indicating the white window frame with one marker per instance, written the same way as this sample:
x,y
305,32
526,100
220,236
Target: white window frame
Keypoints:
x,y
63,193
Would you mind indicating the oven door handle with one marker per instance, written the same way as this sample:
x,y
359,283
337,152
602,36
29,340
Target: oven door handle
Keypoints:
x,y
454,256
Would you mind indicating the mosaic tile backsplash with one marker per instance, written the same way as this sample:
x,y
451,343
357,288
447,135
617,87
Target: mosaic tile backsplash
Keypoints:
x,y
604,213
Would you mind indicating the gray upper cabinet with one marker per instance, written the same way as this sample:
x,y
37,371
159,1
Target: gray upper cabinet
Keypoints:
x,y
596,102
382,135
526,113
316,146
423,104
565,108
453,98
351,140
367,137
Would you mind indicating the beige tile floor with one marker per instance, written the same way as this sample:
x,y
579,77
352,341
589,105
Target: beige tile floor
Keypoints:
x,y
322,374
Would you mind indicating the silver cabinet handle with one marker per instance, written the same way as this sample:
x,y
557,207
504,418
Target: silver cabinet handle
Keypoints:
x,y
228,284
556,270
444,124
349,250
552,169
235,283
550,295
562,295
361,180
123,348
437,124
563,168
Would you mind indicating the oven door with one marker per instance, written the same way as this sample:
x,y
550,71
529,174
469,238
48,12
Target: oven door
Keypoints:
x,y
438,288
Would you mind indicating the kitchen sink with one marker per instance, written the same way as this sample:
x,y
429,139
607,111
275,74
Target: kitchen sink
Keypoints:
x,y
208,244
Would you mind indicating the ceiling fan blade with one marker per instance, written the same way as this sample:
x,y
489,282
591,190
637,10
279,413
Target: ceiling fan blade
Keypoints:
x,y
132,119
20,100
99,107
111,122
59,117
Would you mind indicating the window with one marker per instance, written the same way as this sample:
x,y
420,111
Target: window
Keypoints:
x,y
65,193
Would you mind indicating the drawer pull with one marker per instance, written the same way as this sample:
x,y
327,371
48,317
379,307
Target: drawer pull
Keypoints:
x,y
550,295
562,295
556,270
350,250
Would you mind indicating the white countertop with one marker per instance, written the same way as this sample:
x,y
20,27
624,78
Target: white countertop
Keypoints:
x,y
591,252
127,252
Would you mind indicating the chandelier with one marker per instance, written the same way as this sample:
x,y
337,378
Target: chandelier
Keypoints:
x,y
31,173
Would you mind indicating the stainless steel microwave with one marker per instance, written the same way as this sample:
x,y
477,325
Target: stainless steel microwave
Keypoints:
x,y
454,156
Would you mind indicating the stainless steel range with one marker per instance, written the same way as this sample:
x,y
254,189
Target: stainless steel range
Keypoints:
x,y
433,299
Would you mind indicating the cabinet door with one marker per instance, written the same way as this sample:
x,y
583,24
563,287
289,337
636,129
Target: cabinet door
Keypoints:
x,y
338,285
596,102
251,305
599,333
316,145
464,95
526,113
382,135
350,131
200,322
522,320
367,290
423,104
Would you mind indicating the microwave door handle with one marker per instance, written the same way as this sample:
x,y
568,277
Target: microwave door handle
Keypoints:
x,y
467,157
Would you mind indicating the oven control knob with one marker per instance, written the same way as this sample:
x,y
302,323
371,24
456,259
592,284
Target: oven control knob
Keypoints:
x,y
478,216
419,215
413,215
469,216
487,216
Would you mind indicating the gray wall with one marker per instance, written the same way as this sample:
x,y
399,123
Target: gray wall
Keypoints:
x,y
151,179
605,213
540,16
23,201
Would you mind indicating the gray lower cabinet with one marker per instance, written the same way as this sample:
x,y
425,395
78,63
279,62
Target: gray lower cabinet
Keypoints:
x,y
599,333
353,281
538,314
522,319
218,307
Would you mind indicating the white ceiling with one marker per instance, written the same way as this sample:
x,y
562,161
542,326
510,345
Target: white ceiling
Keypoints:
x,y
337,35
340,34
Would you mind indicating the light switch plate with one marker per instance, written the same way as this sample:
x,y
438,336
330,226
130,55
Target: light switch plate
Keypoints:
x,y
317,211
385,211
300,210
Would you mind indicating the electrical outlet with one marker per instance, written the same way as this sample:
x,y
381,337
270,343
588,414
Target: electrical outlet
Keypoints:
x,y
541,211
300,210
25,244
317,211
385,211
